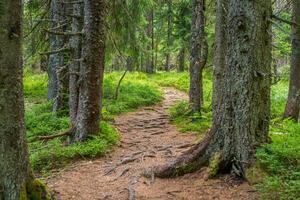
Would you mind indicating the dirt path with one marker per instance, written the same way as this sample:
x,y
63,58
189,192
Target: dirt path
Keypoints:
x,y
147,139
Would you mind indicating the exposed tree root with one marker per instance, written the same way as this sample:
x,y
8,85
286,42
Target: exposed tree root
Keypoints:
x,y
193,159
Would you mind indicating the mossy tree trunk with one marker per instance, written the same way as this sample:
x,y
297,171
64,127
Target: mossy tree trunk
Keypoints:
x,y
15,173
219,53
293,103
197,57
242,123
62,70
56,60
76,48
91,70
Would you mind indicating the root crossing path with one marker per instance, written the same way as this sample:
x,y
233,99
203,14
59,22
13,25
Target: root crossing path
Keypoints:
x,y
147,139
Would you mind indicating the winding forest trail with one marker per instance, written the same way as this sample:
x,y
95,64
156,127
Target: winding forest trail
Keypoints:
x,y
147,139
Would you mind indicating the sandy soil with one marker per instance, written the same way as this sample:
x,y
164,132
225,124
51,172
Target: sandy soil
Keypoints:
x,y
148,139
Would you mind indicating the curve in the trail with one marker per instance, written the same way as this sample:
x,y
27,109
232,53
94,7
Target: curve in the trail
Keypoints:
x,y
148,138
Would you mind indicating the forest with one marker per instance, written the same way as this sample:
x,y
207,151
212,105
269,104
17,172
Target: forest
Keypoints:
x,y
149,99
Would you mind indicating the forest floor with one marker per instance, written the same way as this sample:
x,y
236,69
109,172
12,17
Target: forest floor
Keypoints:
x,y
147,139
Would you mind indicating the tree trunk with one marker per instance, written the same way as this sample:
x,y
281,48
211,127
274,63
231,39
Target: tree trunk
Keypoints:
x,y
197,51
55,60
242,123
62,70
181,60
220,53
15,173
75,65
169,36
293,103
91,71
150,45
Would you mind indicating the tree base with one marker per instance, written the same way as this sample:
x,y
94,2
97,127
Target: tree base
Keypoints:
x,y
210,153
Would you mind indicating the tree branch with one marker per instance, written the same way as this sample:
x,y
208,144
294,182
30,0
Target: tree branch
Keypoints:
x,y
64,33
284,20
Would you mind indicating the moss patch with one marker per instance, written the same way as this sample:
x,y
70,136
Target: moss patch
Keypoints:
x,y
214,165
37,190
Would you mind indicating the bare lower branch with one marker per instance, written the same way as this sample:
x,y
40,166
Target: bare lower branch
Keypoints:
x,y
64,33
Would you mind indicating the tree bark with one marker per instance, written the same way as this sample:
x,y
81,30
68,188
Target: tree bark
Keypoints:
x,y
55,60
220,53
75,65
62,70
242,123
91,71
293,103
181,60
15,173
197,51
169,35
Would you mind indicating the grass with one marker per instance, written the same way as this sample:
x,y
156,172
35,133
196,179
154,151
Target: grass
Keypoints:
x,y
135,91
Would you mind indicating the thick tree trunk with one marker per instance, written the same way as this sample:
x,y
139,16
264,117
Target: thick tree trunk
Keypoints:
x,y
14,162
242,123
55,60
220,53
150,45
197,62
91,72
15,173
181,60
293,103
75,44
169,35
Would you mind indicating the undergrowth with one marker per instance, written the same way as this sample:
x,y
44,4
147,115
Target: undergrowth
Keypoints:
x,y
135,91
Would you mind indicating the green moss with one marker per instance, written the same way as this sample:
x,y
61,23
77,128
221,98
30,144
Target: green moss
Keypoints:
x,y
255,174
23,193
37,190
187,168
214,164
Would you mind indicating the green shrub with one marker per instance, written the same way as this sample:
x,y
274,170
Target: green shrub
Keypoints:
x,y
281,160
182,117
55,154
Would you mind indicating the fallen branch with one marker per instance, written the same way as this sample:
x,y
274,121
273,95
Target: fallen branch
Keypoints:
x,y
50,137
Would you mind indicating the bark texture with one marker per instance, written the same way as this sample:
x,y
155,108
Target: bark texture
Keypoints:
x,y
220,53
242,123
75,44
197,62
62,70
293,103
56,42
16,179
13,149
91,70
